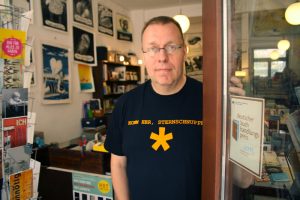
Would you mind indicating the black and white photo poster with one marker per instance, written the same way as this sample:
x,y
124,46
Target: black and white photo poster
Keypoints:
x,y
124,28
105,20
54,13
84,48
83,12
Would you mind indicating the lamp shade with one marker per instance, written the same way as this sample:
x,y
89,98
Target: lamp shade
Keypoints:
x,y
292,14
283,45
183,21
274,55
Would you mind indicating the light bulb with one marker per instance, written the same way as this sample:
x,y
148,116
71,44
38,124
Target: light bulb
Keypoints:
x,y
140,62
122,58
183,21
274,55
292,14
283,45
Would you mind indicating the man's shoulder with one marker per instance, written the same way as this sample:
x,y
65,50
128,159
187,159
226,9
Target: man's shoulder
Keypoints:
x,y
193,82
133,94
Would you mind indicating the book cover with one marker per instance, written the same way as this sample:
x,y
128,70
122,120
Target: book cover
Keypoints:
x,y
293,124
121,71
21,185
270,158
297,92
276,177
14,132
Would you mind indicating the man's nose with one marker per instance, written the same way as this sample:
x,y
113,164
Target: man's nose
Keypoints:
x,y
162,54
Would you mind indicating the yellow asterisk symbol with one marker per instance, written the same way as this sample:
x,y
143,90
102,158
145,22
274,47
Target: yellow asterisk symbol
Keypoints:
x,y
161,139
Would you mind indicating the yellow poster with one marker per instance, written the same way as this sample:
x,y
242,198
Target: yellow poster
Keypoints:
x,y
21,185
86,78
12,44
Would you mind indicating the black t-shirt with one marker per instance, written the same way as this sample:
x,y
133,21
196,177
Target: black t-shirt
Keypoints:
x,y
161,136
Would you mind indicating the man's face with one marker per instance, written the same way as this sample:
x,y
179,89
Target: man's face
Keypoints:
x,y
164,69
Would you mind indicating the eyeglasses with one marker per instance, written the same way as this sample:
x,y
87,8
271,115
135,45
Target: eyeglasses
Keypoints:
x,y
170,48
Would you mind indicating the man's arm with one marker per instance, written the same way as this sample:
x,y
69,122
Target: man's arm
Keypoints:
x,y
119,177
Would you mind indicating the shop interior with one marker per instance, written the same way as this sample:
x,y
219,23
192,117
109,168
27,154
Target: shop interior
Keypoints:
x,y
69,96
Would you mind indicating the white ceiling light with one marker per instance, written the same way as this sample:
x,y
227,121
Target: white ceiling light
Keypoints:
x,y
274,55
183,21
292,14
283,45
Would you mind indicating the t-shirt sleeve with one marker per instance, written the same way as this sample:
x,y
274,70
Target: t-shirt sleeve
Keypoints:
x,y
114,139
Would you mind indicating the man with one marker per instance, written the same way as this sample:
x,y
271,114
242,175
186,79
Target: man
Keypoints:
x,y
155,137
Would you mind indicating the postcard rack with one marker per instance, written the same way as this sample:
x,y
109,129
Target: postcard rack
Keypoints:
x,y
10,19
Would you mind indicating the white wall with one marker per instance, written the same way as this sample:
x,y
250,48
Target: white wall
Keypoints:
x,y
62,122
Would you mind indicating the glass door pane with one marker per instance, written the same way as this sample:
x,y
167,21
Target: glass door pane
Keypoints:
x,y
270,72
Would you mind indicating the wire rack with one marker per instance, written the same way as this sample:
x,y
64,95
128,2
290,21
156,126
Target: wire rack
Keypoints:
x,y
10,16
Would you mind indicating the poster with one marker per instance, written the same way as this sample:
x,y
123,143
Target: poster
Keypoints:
x,y
54,14
56,74
84,47
83,12
124,28
247,133
105,20
12,44
96,187
86,78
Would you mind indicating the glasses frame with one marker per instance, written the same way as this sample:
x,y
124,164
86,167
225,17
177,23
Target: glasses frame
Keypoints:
x,y
169,49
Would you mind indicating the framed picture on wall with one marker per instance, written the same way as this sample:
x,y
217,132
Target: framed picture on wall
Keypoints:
x,y
105,20
84,47
83,12
56,74
54,14
194,59
86,78
124,28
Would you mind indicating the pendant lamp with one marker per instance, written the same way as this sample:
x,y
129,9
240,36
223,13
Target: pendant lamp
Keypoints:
x,y
274,55
182,20
283,45
292,14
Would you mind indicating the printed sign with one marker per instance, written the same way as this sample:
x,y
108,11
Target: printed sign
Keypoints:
x,y
246,133
92,186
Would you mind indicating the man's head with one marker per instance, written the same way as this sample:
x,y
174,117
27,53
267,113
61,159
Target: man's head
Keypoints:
x,y
162,20
164,54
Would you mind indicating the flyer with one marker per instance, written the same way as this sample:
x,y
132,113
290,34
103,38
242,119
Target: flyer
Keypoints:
x,y
247,133
12,44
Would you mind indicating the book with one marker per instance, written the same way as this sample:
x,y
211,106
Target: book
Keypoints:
x,y
276,177
293,124
270,158
297,92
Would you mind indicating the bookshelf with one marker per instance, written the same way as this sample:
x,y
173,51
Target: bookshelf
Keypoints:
x,y
112,79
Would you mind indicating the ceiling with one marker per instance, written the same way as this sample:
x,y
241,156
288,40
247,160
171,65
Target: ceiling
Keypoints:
x,y
151,4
